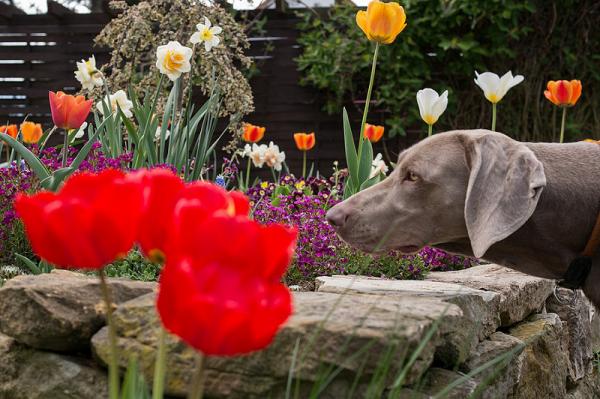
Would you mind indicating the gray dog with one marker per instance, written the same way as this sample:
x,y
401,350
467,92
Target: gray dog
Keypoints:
x,y
528,206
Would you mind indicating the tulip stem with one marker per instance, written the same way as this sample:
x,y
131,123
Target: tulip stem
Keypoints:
x,y
304,164
197,390
160,365
493,117
562,125
65,149
430,131
367,102
248,173
113,365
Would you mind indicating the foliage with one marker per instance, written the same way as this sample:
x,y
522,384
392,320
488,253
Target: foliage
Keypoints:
x,y
303,203
139,29
442,46
135,267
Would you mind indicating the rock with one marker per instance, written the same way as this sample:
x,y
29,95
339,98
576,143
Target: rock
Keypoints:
x,y
61,310
576,312
436,380
545,358
586,388
360,331
29,374
499,380
480,316
520,294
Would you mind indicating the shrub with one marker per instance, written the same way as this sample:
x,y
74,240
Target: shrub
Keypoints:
x,y
136,33
442,46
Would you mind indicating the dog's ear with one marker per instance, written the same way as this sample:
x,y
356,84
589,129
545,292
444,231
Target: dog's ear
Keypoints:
x,y
505,183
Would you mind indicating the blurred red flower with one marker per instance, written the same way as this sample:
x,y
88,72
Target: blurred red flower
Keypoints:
x,y
88,224
223,295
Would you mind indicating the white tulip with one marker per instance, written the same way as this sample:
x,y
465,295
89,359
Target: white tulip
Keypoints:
x,y
87,74
173,59
118,99
273,157
206,33
495,87
378,167
431,104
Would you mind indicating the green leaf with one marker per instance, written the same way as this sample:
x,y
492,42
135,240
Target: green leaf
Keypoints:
x,y
134,385
33,268
83,153
370,182
350,148
366,162
34,162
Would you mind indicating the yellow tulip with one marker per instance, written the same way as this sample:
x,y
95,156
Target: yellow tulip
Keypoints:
x,y
382,22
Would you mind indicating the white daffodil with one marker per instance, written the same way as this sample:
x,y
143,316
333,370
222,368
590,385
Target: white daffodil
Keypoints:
x,y
256,153
157,134
206,33
273,157
118,99
495,87
87,74
378,167
431,105
173,59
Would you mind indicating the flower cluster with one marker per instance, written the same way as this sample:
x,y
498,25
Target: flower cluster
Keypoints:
x,y
303,203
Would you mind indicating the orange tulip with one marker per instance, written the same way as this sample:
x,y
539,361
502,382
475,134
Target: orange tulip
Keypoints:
x,y
563,93
304,141
382,22
373,133
253,133
32,132
11,130
69,112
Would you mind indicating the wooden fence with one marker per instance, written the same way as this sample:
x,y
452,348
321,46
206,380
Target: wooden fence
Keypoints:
x,y
38,54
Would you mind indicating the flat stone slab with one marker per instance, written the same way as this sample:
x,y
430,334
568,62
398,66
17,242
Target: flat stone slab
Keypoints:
x,y
61,310
480,308
343,331
520,294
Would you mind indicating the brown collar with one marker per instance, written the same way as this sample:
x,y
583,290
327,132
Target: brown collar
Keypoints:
x,y
580,267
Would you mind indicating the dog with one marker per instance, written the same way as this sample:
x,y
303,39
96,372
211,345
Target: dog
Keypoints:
x,y
527,206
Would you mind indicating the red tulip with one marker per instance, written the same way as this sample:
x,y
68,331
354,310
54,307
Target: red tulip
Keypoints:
x,y
88,224
224,295
373,133
253,133
563,93
166,196
161,188
69,112
304,141
11,130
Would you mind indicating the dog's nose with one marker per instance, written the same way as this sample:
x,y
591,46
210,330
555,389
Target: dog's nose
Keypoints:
x,y
336,216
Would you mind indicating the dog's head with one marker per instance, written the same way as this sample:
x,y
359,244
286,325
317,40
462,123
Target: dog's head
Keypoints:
x,y
476,184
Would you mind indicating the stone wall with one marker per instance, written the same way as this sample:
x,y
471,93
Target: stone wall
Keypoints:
x,y
540,341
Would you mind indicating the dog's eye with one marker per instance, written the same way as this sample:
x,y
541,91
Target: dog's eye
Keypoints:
x,y
411,176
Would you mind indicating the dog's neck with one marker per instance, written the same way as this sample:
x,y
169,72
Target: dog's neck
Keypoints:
x,y
563,220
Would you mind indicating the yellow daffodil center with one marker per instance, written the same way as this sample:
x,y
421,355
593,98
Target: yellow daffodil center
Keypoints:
x,y
206,34
173,61
89,67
